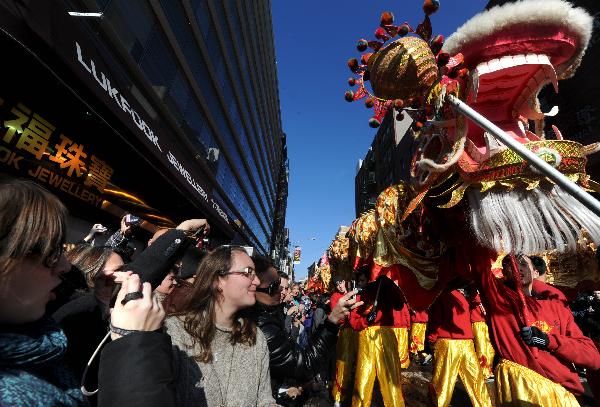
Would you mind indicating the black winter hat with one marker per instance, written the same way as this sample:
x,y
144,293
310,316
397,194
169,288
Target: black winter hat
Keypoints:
x,y
154,263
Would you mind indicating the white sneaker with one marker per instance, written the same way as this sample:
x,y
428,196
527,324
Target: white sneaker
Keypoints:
x,y
337,404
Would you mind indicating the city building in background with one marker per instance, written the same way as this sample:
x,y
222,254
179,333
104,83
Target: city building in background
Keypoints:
x,y
164,109
312,269
386,163
281,240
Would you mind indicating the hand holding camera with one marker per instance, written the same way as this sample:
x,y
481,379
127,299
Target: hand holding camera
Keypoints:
x,y
144,312
97,229
342,309
195,226
128,222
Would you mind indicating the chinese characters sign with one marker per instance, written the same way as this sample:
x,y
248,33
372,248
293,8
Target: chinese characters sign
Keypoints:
x,y
31,145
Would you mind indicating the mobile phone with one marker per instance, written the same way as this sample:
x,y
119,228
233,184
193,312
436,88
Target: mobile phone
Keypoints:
x,y
353,287
198,233
114,294
132,220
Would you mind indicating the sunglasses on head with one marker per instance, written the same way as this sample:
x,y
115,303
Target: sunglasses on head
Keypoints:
x,y
271,288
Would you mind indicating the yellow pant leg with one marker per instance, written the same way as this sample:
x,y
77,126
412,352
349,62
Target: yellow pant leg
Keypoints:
x,y
366,356
345,358
445,371
402,338
389,364
517,385
483,347
470,374
417,337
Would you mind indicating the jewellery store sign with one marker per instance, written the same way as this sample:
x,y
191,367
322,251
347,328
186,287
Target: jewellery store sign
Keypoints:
x,y
32,146
67,38
118,102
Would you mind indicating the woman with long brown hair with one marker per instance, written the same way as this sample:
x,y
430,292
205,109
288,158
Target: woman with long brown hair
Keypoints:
x,y
220,359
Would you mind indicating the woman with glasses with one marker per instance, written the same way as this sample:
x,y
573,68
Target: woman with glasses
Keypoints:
x,y
32,345
220,358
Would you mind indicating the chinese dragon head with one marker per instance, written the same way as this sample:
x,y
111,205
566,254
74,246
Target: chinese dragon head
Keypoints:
x,y
497,63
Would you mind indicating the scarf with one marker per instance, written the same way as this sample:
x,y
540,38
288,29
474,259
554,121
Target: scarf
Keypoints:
x,y
31,368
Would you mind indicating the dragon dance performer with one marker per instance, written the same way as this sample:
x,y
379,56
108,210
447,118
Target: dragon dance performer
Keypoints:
x,y
499,202
537,366
454,354
547,291
382,323
481,337
346,347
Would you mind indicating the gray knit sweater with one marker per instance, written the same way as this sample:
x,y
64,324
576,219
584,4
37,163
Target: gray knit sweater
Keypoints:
x,y
237,377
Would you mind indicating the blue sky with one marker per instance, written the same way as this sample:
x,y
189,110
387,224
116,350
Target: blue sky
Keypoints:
x,y
325,134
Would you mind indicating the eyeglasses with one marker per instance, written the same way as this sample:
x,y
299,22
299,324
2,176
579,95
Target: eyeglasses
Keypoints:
x,y
271,288
53,258
246,272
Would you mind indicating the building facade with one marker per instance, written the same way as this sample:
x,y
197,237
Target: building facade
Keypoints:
x,y
386,163
172,109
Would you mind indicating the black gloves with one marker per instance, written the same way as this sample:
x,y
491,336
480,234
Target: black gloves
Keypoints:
x,y
533,336
154,263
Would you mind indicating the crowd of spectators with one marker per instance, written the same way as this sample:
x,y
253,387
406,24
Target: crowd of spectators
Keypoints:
x,y
174,324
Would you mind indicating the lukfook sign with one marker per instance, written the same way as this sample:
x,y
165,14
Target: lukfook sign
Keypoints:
x,y
70,38
104,82
116,96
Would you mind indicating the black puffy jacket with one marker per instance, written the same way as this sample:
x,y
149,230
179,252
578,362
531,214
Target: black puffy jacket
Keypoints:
x,y
137,370
288,360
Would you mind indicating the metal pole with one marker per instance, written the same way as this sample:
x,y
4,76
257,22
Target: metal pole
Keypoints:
x,y
545,168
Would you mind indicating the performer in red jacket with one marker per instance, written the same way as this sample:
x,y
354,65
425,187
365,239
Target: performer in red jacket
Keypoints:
x,y
454,354
383,324
539,343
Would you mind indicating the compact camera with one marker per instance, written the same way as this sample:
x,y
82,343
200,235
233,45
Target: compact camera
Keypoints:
x,y
132,220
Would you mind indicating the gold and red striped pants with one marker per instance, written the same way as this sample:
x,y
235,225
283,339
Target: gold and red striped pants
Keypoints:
x,y
519,385
457,358
346,347
379,356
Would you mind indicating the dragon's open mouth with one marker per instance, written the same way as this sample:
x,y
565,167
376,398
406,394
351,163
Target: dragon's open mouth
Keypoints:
x,y
505,91
512,52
